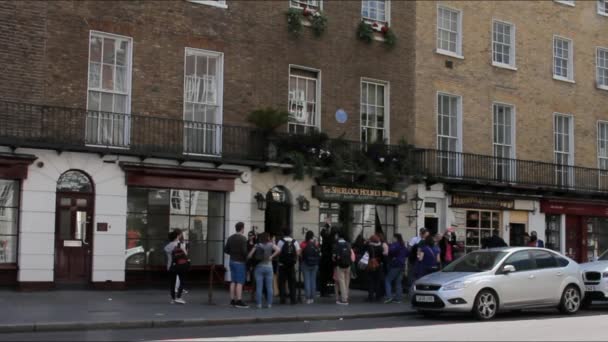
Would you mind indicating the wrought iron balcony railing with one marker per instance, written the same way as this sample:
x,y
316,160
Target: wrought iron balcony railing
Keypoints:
x,y
473,167
27,125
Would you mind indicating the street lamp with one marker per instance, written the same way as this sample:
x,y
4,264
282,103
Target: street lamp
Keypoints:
x,y
261,200
303,203
416,204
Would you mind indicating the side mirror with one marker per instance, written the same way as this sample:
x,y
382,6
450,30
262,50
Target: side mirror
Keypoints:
x,y
508,269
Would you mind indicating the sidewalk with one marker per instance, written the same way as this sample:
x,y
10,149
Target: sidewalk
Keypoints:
x,y
85,310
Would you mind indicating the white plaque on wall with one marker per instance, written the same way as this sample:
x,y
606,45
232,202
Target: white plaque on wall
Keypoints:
x,y
72,243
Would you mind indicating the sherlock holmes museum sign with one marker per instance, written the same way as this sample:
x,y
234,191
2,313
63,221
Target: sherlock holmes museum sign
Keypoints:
x,y
342,194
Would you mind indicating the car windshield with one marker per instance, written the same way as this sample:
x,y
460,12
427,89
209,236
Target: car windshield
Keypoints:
x,y
604,256
476,262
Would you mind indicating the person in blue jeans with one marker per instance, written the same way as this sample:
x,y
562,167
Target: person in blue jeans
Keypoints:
x,y
309,265
263,253
397,253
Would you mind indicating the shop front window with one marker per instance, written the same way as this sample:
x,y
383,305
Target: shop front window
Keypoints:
x,y
597,237
9,203
553,232
355,219
153,213
480,224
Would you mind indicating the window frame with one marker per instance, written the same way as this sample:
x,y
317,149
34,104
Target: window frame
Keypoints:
x,y
298,4
459,37
317,94
601,3
509,165
459,115
597,66
387,14
212,3
570,136
532,260
570,77
533,255
16,207
387,107
570,3
220,81
601,123
513,132
512,44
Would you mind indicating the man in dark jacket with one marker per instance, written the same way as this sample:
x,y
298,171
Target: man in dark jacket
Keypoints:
x,y
494,242
326,265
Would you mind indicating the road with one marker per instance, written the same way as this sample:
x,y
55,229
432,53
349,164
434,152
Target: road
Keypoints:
x,y
545,325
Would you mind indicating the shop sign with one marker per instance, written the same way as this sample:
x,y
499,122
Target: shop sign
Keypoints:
x,y
482,202
573,208
345,194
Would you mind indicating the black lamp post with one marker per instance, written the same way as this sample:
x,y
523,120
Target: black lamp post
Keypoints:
x,y
261,200
303,203
416,204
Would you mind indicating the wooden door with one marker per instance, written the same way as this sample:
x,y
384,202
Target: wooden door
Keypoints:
x,y
73,238
574,238
517,232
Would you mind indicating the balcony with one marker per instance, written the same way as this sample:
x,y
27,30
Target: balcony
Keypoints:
x,y
465,167
71,129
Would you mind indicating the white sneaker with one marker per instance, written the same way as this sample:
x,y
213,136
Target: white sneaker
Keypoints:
x,y
180,301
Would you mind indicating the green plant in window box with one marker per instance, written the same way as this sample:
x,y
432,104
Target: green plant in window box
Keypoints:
x,y
365,32
294,21
268,119
318,22
389,37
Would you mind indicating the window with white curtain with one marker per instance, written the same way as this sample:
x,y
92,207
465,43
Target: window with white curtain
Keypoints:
x,y
109,89
602,144
504,133
602,68
563,68
449,31
376,11
448,131
503,44
303,100
374,111
203,76
564,148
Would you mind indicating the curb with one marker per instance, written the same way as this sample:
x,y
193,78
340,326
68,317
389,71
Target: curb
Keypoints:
x,y
75,326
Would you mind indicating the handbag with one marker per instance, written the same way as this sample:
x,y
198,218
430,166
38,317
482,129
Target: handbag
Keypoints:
x,y
363,262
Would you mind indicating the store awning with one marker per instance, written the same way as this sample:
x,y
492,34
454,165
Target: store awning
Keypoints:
x,y
573,208
179,177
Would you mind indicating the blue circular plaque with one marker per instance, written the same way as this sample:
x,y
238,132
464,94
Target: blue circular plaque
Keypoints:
x,y
341,116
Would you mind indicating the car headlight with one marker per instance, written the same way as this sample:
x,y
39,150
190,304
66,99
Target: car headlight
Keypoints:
x,y
605,274
455,285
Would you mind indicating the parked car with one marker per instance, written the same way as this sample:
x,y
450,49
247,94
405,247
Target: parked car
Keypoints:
x,y
485,282
595,275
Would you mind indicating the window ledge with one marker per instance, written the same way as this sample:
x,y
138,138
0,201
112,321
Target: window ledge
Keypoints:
x,y
209,3
602,87
504,66
449,53
565,3
559,78
603,14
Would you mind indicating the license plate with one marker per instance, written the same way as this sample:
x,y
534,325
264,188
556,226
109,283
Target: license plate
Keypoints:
x,y
425,299
590,288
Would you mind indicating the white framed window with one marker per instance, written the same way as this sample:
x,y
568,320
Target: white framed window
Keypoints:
x,y
601,65
215,3
203,101
504,140
503,44
563,132
109,89
304,100
375,104
602,7
449,132
602,145
378,11
449,31
565,2
563,57
315,5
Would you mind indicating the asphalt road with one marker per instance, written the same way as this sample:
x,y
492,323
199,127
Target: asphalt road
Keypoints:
x,y
539,325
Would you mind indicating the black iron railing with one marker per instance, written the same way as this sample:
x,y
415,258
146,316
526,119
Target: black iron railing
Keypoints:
x,y
473,167
30,125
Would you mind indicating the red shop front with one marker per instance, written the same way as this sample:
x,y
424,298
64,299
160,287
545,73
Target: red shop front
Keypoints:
x,y
586,227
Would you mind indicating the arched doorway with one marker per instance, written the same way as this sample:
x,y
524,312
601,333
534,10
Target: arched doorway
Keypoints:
x,y
278,211
74,228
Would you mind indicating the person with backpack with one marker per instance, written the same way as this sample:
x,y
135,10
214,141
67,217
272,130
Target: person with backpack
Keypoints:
x,y
311,257
178,265
290,251
343,257
397,254
236,248
263,253
374,269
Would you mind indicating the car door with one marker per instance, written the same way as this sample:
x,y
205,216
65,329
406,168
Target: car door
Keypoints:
x,y
550,276
518,289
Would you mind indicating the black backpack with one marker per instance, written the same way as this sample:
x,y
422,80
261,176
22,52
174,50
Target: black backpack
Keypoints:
x,y
311,254
342,254
181,263
259,253
289,255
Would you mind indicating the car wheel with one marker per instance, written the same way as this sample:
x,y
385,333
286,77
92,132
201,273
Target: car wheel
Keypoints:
x,y
586,303
486,305
571,300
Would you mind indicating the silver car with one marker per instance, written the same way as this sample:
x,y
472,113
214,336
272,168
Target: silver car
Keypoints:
x,y
595,275
488,281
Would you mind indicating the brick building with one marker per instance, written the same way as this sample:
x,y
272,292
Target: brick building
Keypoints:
x,y
121,120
